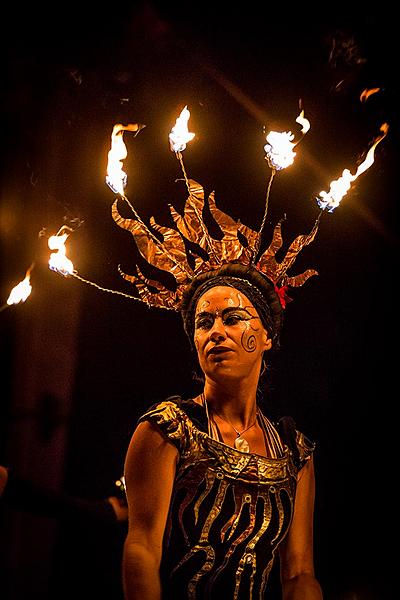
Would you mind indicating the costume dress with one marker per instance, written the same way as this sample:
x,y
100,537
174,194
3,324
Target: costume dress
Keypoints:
x,y
229,509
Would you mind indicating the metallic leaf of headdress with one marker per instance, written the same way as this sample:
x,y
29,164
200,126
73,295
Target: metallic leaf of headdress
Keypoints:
x,y
168,255
192,225
229,247
163,298
275,271
171,255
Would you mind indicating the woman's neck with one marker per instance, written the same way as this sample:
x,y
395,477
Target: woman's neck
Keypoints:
x,y
235,403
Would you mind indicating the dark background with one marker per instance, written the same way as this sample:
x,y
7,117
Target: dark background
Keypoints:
x,y
80,364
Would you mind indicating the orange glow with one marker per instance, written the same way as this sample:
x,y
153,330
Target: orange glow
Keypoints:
x,y
367,93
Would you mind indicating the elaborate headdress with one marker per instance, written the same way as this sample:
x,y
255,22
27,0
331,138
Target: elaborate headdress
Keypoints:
x,y
233,256
193,256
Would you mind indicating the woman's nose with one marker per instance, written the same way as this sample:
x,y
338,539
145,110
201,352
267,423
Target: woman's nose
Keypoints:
x,y
217,331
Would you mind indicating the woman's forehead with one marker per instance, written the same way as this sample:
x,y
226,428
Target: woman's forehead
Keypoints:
x,y
222,296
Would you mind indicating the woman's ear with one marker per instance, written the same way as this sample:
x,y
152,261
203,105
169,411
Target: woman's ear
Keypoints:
x,y
267,341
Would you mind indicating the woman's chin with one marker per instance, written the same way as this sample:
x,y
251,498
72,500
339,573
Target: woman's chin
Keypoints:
x,y
223,370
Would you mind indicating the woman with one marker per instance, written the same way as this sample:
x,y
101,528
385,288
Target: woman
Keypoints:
x,y
214,489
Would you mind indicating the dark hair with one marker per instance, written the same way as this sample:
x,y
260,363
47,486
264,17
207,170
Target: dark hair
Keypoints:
x,y
247,279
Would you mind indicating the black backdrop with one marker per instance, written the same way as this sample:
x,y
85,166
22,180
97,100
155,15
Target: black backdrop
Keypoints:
x,y
68,78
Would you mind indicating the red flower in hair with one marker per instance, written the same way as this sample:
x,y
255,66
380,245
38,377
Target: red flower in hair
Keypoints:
x,y
282,295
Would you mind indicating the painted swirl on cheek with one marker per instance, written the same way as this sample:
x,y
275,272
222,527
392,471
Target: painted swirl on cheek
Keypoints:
x,y
248,339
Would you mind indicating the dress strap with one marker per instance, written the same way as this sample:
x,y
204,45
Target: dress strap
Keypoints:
x,y
288,432
273,441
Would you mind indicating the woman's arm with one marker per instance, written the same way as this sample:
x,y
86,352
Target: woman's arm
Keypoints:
x,y
296,551
149,476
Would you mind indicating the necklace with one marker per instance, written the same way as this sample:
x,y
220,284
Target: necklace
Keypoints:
x,y
273,442
240,443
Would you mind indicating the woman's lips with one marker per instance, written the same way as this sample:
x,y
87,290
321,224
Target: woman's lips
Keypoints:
x,y
219,350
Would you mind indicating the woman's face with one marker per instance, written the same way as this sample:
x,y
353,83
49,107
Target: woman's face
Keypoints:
x,y
229,336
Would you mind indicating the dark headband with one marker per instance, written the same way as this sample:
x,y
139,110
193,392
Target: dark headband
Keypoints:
x,y
253,293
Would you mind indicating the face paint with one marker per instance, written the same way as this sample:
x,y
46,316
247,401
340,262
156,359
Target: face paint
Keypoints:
x,y
228,331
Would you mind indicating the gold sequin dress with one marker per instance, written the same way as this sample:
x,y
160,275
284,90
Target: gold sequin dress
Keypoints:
x,y
229,509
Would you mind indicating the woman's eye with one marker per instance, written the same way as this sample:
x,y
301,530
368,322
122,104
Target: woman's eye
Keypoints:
x,y
233,319
204,323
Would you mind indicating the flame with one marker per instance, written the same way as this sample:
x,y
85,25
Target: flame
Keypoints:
x,y
339,187
180,135
58,260
365,94
304,122
280,149
280,146
116,178
20,292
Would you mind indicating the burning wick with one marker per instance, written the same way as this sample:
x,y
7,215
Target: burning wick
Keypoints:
x,y
21,291
116,178
58,260
339,187
61,264
180,134
279,148
279,155
179,137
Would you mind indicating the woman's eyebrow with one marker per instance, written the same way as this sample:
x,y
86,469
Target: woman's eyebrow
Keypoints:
x,y
230,309
225,311
204,313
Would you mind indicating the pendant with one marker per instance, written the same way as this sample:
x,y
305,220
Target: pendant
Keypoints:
x,y
242,445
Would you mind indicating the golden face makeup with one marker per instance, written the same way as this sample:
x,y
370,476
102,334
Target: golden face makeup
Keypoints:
x,y
232,316
228,330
